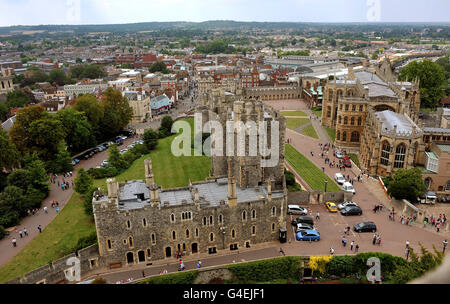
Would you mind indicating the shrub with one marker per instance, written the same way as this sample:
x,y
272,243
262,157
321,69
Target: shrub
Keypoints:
x,y
151,139
175,278
267,270
86,242
341,266
99,281
319,263
2,232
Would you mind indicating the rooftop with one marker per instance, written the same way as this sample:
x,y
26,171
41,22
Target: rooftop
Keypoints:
x,y
390,119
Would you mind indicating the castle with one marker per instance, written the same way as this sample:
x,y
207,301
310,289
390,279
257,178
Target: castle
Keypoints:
x,y
242,203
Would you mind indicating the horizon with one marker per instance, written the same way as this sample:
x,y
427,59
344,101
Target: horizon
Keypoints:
x,y
110,12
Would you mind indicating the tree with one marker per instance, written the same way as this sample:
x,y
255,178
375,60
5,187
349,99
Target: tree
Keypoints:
x,y
166,126
407,184
4,111
115,159
17,99
126,66
432,80
78,60
62,162
20,178
38,174
44,137
158,67
58,76
83,182
151,139
9,156
91,107
78,130
20,131
38,76
117,112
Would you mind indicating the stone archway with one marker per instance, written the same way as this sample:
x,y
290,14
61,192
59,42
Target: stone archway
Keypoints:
x,y
130,258
194,248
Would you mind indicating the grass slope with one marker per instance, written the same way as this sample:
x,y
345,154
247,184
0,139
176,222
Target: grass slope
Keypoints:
x,y
56,240
294,123
309,172
331,133
310,131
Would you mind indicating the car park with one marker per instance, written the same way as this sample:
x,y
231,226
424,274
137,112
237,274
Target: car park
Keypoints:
x,y
346,204
365,227
340,179
296,209
347,187
304,226
308,235
351,210
303,219
331,207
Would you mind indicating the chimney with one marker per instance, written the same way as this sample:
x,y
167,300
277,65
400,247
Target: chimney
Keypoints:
x,y
113,188
269,190
149,177
232,197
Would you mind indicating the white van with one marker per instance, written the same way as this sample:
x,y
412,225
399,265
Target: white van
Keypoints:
x,y
347,187
339,178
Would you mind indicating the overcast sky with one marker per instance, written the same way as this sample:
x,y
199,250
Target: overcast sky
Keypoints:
x,y
33,12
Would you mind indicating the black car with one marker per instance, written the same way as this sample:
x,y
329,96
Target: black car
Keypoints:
x,y
303,219
351,210
365,227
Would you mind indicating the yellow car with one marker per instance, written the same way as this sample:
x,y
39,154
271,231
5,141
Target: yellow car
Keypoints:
x,y
331,207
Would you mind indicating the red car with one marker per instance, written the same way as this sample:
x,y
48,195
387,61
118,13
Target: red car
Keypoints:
x,y
347,161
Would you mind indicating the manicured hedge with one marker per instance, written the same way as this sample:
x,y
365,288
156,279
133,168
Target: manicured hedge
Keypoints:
x,y
175,278
266,270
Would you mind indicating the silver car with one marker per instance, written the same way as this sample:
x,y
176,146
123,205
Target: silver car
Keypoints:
x,y
347,204
296,209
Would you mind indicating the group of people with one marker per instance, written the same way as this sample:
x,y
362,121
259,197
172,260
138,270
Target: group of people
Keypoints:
x,y
23,233
376,239
407,220
435,222
64,185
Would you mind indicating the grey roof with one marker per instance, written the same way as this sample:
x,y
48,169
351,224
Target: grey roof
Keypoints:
x,y
436,130
211,193
7,125
376,86
444,148
390,119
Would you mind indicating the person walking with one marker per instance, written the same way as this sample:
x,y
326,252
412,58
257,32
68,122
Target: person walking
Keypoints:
x,y
46,209
331,250
374,239
407,244
344,241
318,216
40,228
57,209
356,248
20,233
438,226
444,243
407,253
25,231
14,242
351,245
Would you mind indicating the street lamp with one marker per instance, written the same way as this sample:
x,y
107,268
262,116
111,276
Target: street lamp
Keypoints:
x,y
326,182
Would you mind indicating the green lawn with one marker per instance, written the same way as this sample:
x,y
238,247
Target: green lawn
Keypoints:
x,y
294,113
56,240
63,233
316,112
309,172
355,159
294,123
310,131
331,133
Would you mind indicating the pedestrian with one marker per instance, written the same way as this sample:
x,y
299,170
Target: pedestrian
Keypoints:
x,y
14,242
331,250
199,264
40,228
407,253
407,244
344,241
25,231
438,226
45,209
20,233
444,243
281,251
182,266
351,245
379,240
57,209
143,273
318,216
356,248
374,239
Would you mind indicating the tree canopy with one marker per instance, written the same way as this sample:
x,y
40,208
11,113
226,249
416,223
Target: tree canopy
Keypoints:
x,y
432,80
407,184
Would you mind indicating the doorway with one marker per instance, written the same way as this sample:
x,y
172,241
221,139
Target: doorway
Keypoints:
x,y
194,248
168,252
130,258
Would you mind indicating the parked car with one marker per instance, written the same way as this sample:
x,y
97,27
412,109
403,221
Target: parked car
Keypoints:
x,y
347,187
303,219
339,154
431,196
365,227
351,210
308,235
331,207
346,204
340,179
296,209
304,226
76,161
104,163
347,161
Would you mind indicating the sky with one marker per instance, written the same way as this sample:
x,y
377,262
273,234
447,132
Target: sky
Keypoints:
x,y
35,12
